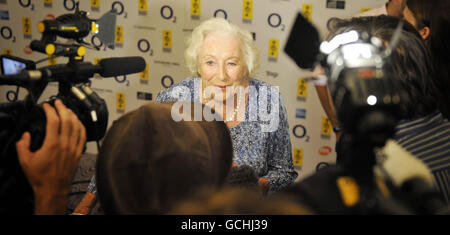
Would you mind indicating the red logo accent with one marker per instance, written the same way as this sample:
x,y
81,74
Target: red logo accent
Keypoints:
x,y
49,17
27,50
325,150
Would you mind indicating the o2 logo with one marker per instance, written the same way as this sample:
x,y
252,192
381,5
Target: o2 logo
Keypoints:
x,y
220,12
122,79
70,5
322,166
143,46
166,81
119,8
274,20
26,4
96,41
299,131
12,96
6,33
167,13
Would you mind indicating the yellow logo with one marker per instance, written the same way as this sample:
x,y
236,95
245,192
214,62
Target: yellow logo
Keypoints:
x,y
307,10
120,101
302,88
142,5
247,9
298,156
119,34
95,3
167,39
365,9
26,24
7,51
195,7
326,126
273,48
144,74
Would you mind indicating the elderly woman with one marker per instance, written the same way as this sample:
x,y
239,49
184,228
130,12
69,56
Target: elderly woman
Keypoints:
x,y
223,60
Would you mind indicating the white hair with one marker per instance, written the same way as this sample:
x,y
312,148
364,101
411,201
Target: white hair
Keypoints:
x,y
197,38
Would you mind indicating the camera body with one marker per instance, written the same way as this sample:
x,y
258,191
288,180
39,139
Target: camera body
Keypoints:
x,y
90,108
17,117
366,95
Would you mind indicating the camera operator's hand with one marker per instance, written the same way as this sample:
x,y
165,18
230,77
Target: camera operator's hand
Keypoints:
x,y
50,170
86,204
264,185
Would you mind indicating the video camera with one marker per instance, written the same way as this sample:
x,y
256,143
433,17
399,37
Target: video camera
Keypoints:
x,y
358,73
74,91
368,99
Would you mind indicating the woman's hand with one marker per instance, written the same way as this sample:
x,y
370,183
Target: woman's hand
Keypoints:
x,y
86,204
264,185
50,169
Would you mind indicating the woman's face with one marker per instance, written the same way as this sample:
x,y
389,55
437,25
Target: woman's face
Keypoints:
x,y
221,64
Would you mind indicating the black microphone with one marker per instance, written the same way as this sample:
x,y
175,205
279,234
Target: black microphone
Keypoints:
x,y
78,72
303,43
118,66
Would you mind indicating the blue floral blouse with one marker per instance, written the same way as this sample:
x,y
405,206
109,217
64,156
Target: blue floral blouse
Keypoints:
x,y
262,140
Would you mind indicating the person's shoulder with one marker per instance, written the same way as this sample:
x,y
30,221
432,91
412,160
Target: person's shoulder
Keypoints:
x,y
258,83
264,86
166,95
187,82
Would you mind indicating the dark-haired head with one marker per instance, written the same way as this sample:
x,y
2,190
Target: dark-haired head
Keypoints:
x,y
410,60
431,18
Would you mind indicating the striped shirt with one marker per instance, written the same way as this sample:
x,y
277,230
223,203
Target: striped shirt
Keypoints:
x,y
428,138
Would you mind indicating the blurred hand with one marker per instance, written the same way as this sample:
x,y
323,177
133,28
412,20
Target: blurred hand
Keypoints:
x,y
264,185
86,204
50,170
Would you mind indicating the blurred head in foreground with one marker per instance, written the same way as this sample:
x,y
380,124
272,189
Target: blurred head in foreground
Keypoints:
x,y
148,161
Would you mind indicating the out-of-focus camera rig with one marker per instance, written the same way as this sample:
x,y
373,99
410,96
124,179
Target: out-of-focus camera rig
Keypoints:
x,y
74,91
368,101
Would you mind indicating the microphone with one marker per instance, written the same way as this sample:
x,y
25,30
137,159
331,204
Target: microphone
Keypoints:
x,y
118,66
78,72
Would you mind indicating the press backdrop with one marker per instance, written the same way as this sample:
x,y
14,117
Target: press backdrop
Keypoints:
x,y
155,30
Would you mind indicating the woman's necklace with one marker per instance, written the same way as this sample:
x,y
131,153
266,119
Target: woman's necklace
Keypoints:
x,y
236,110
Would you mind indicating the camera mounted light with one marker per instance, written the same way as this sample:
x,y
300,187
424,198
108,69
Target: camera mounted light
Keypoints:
x,y
75,26
365,93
